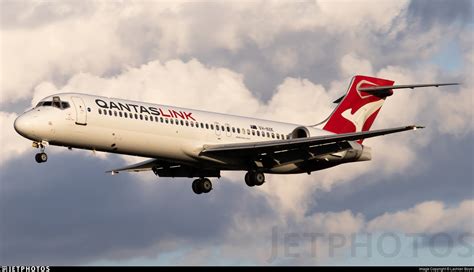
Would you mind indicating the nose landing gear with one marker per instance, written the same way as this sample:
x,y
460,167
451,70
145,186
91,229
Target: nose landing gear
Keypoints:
x,y
42,156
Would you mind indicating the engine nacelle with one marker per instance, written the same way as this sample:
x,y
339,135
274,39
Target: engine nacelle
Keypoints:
x,y
300,132
358,153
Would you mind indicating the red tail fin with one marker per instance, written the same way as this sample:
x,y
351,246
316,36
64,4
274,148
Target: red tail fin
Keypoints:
x,y
358,109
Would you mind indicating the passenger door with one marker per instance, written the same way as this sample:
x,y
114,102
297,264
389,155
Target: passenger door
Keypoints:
x,y
81,113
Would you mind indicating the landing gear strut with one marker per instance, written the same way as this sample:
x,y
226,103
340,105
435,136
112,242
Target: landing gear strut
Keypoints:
x,y
202,185
254,178
42,156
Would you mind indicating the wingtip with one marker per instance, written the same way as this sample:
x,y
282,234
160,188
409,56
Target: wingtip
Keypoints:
x,y
416,127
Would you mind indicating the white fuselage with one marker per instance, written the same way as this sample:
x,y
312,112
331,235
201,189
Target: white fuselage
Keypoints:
x,y
145,129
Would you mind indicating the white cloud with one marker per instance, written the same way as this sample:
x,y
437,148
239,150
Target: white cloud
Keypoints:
x,y
427,217
102,37
135,52
351,64
194,85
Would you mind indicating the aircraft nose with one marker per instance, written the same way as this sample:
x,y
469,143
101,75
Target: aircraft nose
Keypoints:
x,y
23,125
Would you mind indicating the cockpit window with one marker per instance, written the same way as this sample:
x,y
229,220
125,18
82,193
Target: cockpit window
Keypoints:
x,y
57,103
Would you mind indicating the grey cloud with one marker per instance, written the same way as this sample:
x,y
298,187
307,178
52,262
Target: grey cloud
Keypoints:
x,y
28,14
431,12
447,177
69,211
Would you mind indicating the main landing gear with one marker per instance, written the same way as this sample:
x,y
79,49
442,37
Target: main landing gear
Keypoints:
x,y
254,178
202,185
42,156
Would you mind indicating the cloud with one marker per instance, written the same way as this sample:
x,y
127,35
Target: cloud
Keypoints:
x,y
195,85
427,217
278,60
55,41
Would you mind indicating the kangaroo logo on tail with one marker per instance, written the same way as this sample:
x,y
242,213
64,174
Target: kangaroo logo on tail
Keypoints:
x,y
358,109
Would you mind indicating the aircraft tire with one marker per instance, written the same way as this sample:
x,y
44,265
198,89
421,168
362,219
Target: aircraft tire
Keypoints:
x,y
196,186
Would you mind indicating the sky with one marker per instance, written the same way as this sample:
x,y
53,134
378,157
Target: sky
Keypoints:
x,y
279,60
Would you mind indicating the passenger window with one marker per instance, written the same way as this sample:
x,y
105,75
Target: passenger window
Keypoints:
x,y
212,126
105,112
268,134
171,121
156,118
278,136
248,131
202,125
217,127
161,119
238,130
253,132
207,126
120,113
181,122
166,120
223,129
228,129
136,116
100,111
192,124
115,113
258,133
110,112
273,135
187,123
125,115
146,117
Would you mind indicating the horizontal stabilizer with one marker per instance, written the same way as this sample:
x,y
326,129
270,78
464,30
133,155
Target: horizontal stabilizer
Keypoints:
x,y
409,86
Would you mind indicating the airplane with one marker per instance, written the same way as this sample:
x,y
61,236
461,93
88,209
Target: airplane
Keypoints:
x,y
198,144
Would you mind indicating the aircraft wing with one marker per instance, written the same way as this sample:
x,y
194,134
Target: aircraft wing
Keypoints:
x,y
282,151
138,167
337,142
164,168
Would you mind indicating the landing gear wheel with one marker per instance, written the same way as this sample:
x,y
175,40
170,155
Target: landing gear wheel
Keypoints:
x,y
258,178
41,157
202,185
196,186
253,178
205,185
248,180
